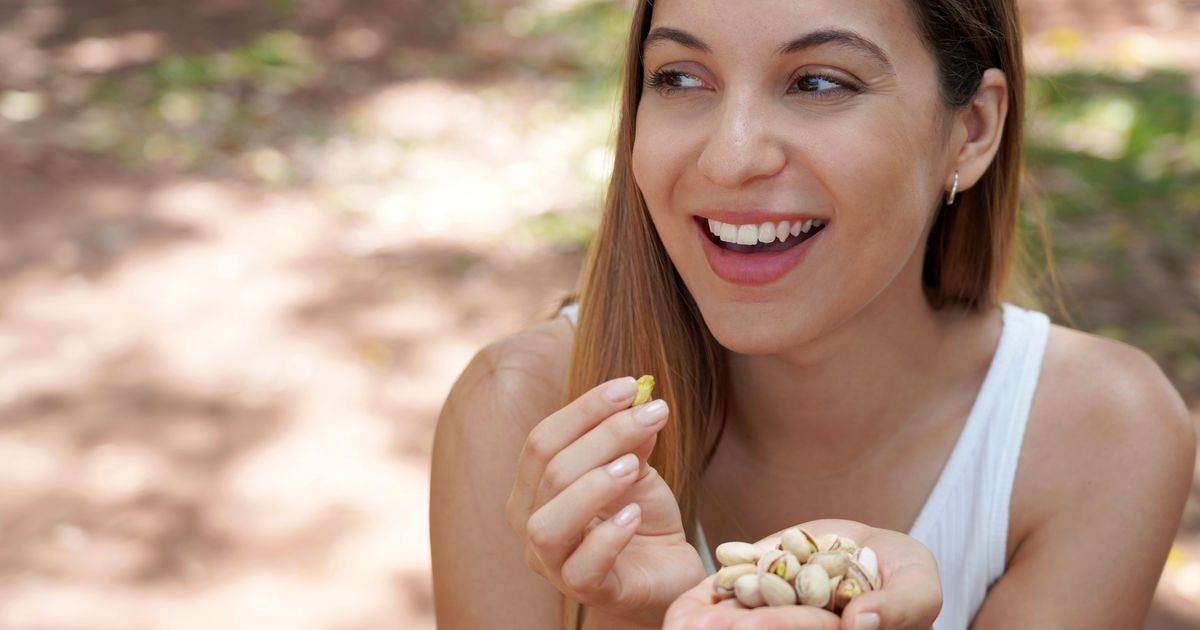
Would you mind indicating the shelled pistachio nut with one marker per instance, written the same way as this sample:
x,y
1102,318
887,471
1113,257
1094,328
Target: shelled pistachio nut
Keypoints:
x,y
645,386
731,553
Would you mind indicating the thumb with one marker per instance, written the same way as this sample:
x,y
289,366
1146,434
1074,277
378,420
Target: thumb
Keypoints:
x,y
643,451
910,599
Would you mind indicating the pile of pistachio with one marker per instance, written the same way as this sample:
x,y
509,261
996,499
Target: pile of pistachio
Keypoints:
x,y
828,572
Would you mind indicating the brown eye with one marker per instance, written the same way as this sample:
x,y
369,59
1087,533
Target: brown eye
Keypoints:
x,y
823,85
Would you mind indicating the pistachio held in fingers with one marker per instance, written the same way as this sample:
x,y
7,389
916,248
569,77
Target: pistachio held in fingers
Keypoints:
x,y
645,386
747,591
775,590
731,553
846,591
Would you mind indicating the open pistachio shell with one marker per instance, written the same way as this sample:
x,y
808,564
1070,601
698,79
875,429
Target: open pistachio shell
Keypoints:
x,y
799,542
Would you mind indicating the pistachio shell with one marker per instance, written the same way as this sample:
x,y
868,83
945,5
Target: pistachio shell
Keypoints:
x,y
746,589
846,544
775,590
846,591
645,385
799,542
731,553
826,542
833,586
779,562
855,573
834,562
870,565
724,579
812,585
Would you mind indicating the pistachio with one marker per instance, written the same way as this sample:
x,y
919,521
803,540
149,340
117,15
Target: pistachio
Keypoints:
x,y
724,579
731,553
870,565
799,542
747,591
834,562
846,590
775,590
779,562
855,573
812,585
826,542
645,385
833,587
846,544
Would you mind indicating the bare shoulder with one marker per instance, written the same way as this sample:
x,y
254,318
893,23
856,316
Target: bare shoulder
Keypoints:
x,y
1101,406
1108,456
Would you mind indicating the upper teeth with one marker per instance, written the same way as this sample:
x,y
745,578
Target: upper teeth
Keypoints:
x,y
762,232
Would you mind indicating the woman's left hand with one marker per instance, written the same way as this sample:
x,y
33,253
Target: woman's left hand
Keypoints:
x,y
909,598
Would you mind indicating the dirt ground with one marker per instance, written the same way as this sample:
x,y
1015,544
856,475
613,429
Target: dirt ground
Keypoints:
x,y
219,383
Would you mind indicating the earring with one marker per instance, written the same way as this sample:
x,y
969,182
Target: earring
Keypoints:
x,y
953,191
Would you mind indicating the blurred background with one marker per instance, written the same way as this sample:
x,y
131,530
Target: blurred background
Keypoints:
x,y
247,245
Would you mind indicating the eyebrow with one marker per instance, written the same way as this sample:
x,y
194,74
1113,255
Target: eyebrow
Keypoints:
x,y
840,37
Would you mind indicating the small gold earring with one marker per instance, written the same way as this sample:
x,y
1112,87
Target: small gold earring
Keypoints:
x,y
953,191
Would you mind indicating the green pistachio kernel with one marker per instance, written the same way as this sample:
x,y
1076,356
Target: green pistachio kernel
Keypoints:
x,y
645,385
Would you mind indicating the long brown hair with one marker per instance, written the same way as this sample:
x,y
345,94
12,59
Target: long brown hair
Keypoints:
x,y
637,317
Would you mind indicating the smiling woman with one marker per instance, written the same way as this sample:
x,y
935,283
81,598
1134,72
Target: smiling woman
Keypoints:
x,y
809,239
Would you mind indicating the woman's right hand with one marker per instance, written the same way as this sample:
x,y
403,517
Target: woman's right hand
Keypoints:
x,y
599,524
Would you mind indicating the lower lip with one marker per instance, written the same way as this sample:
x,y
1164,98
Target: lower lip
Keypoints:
x,y
753,269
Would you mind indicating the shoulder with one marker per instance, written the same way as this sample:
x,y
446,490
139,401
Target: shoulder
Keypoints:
x,y
1102,406
1105,469
512,383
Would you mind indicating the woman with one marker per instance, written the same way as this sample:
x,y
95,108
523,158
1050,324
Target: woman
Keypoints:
x,y
808,240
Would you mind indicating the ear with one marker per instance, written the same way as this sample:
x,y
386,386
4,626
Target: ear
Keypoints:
x,y
978,130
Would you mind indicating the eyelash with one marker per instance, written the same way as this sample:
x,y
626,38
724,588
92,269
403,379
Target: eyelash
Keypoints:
x,y
658,81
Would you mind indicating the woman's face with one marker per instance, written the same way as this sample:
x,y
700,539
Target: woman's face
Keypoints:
x,y
749,118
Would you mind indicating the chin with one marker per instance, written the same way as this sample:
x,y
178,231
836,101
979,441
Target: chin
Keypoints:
x,y
759,333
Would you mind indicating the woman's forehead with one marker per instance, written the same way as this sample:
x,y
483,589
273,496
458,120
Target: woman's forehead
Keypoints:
x,y
769,26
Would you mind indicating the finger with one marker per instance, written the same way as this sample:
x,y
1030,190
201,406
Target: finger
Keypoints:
x,y
910,596
556,528
554,434
620,433
588,571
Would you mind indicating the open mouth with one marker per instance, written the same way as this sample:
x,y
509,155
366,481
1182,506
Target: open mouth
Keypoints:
x,y
775,245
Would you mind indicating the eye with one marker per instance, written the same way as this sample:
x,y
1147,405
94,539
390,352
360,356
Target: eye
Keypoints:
x,y
823,85
667,81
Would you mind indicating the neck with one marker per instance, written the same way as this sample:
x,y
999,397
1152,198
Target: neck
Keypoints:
x,y
878,379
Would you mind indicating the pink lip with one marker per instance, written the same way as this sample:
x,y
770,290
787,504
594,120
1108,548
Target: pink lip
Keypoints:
x,y
752,269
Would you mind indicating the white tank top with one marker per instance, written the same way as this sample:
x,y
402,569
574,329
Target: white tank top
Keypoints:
x,y
964,521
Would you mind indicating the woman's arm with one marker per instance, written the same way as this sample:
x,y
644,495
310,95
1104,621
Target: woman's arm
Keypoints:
x,y
1114,465
479,572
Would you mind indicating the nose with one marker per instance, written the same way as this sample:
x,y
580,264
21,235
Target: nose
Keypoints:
x,y
741,147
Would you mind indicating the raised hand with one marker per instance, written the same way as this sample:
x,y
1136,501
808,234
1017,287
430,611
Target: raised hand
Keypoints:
x,y
599,524
909,597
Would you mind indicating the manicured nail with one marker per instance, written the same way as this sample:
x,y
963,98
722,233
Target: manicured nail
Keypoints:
x,y
621,389
626,515
623,465
866,621
650,413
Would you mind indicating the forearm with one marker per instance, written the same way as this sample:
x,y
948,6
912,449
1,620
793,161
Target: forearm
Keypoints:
x,y
597,620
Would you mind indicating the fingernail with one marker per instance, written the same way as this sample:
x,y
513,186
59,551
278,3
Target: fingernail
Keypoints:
x,y
866,621
621,389
650,413
627,514
623,465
